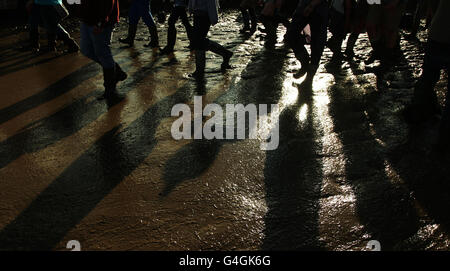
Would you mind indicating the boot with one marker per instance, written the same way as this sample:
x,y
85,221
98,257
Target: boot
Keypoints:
x,y
132,29
200,63
34,41
120,75
388,57
253,23
302,55
311,71
246,19
51,45
109,77
154,40
223,52
303,70
72,46
375,54
351,41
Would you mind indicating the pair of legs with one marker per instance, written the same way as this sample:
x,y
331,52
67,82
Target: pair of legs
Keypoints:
x,y
141,9
46,16
201,44
249,15
318,21
383,29
178,12
97,46
358,26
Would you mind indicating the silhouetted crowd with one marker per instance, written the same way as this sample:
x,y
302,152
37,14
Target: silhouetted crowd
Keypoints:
x,y
307,23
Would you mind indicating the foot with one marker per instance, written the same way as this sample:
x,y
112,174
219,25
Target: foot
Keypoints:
x,y
349,53
120,76
108,95
373,56
127,41
152,44
72,47
166,51
197,76
50,49
226,61
245,29
300,73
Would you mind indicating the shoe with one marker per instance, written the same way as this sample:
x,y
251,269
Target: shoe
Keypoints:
x,y
166,51
72,46
132,29
226,61
120,75
300,73
154,40
245,29
223,52
200,63
110,82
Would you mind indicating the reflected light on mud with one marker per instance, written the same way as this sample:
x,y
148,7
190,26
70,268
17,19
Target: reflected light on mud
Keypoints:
x,y
290,94
333,168
303,113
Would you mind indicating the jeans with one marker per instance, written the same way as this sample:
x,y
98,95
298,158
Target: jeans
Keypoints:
x,y
200,31
177,12
97,46
318,21
141,9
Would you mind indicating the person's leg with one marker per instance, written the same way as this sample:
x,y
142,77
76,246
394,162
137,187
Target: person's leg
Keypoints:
x,y
112,73
150,22
222,51
50,19
391,23
424,103
318,23
374,32
186,23
351,41
245,18
418,14
133,19
297,42
63,35
86,42
268,20
253,19
200,44
337,25
34,19
172,31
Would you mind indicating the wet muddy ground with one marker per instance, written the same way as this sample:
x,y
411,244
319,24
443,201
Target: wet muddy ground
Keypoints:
x,y
348,169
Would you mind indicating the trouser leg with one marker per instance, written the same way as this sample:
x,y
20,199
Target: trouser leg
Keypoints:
x,y
172,30
200,42
246,18
295,40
